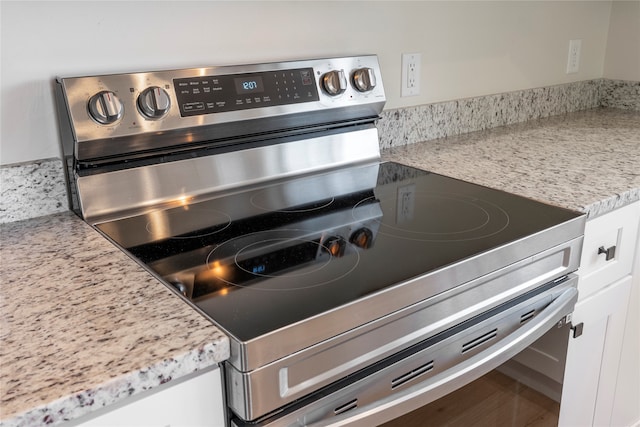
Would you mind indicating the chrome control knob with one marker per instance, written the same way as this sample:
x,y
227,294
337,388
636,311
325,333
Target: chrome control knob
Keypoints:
x,y
154,102
105,107
334,82
364,79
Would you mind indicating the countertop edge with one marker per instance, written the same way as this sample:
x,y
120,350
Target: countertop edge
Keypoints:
x,y
612,203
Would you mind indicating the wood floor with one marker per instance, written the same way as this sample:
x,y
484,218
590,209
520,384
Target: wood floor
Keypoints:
x,y
491,401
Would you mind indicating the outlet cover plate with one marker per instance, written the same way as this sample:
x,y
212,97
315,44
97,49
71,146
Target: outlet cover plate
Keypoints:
x,y
573,61
410,74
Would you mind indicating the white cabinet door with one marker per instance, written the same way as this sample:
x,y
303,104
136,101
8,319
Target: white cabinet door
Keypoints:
x,y
626,408
593,358
196,401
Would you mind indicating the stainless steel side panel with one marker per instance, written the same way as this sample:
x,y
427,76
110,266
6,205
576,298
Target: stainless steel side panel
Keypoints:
x,y
112,194
307,370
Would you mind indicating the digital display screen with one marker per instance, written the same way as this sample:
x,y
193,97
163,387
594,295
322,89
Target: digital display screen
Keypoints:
x,y
249,84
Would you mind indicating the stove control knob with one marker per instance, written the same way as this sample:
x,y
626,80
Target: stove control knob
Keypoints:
x,y
105,107
154,102
334,82
364,79
363,238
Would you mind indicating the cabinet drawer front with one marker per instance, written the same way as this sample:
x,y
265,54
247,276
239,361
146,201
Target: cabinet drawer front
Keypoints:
x,y
609,249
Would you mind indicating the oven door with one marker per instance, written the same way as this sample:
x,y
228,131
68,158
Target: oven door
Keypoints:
x,y
487,368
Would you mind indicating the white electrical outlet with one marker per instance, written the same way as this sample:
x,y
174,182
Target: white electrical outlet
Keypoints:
x,y
573,63
410,74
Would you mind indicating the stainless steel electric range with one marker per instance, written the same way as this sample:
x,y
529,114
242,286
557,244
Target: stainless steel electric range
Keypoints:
x,y
352,290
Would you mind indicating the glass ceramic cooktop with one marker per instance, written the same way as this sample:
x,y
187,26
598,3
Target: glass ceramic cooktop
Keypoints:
x,y
261,258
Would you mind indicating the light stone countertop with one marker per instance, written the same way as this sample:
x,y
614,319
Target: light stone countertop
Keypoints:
x,y
83,326
587,161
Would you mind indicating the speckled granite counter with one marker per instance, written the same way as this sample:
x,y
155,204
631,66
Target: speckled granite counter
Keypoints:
x,y
83,326
587,161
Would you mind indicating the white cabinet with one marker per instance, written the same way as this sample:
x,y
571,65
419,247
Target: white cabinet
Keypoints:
x,y
194,401
593,357
594,391
626,405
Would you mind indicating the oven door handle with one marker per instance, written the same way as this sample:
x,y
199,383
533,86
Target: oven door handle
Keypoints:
x,y
414,397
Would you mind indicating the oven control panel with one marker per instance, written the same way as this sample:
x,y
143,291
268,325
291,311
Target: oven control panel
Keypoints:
x,y
115,114
233,92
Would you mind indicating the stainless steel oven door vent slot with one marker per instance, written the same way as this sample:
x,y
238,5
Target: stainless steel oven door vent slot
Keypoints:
x,y
527,316
405,378
480,340
346,407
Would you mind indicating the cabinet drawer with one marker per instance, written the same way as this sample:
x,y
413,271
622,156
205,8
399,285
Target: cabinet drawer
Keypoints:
x,y
609,249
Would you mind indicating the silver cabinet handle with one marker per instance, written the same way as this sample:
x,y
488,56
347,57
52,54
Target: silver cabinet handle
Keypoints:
x,y
448,381
609,253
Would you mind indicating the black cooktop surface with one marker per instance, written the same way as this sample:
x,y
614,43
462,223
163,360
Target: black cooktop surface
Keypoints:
x,y
264,257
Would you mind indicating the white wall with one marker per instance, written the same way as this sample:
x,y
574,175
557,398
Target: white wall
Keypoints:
x,y
468,48
622,59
